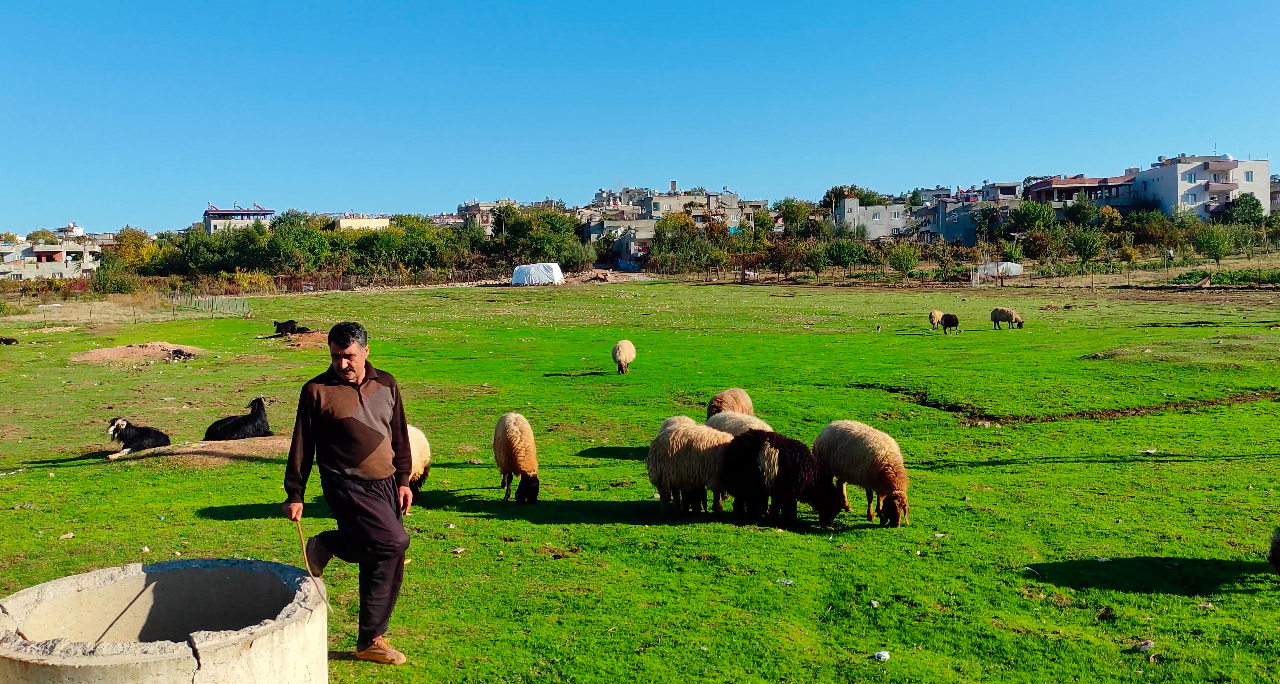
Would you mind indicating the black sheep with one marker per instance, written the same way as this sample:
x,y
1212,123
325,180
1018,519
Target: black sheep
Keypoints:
x,y
761,465
8,340
288,327
134,437
950,322
241,427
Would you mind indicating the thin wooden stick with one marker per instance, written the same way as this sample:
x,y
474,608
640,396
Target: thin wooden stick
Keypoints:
x,y
306,565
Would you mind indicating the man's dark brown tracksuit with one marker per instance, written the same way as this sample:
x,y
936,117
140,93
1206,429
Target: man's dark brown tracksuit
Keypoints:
x,y
358,439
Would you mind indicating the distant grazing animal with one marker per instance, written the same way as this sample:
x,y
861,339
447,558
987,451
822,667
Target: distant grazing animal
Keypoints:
x,y
736,423
1274,556
1002,314
420,449
935,317
290,327
767,470
241,427
516,454
134,437
8,340
865,457
733,399
950,322
623,354
684,461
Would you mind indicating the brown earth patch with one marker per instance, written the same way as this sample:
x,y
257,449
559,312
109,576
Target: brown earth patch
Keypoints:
x,y
308,340
138,353
973,416
213,454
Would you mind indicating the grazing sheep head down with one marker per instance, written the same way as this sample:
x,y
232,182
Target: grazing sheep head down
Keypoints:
x,y
894,510
826,500
527,492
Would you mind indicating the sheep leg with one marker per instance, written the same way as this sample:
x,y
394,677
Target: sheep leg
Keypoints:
x,y
506,482
844,494
717,502
870,511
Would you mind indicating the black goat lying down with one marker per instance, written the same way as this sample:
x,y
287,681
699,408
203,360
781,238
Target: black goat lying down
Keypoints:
x,y
241,427
8,340
134,437
289,327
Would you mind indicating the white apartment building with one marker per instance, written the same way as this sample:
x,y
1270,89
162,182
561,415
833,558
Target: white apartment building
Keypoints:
x,y
216,219
883,221
1202,184
353,221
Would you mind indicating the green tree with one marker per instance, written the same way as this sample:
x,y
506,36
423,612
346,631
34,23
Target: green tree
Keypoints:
x,y
902,257
1245,209
815,258
1031,216
915,199
1085,242
1212,241
8,236
1082,212
763,222
1110,220
43,236
986,221
843,252
794,213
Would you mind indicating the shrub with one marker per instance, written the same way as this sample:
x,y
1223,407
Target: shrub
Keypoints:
x,y
1212,241
902,257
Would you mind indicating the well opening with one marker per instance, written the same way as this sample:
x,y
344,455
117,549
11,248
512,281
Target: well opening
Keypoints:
x,y
160,606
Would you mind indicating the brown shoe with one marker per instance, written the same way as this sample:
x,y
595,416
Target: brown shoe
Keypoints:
x,y
381,651
317,557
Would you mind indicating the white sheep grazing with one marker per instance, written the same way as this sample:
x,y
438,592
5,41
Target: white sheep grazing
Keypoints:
x,y
685,460
865,457
623,354
1002,314
935,317
420,449
732,399
736,423
516,454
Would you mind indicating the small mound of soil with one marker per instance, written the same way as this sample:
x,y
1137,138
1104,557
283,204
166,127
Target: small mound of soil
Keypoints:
x,y
211,454
137,353
310,340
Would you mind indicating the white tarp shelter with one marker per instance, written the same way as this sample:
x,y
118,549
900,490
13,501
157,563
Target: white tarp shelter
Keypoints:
x,y
1007,269
537,274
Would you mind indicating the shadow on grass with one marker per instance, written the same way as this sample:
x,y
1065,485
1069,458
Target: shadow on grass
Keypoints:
x,y
1158,575
574,374
91,456
615,452
262,511
943,464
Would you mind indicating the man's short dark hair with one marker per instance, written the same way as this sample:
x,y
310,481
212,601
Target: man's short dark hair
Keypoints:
x,y
343,334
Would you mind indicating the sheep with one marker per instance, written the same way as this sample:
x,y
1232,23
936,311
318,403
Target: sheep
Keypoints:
x,y
8,340
865,457
516,454
736,423
623,354
420,450
761,465
1274,556
1002,314
684,461
241,427
134,437
733,399
950,322
935,317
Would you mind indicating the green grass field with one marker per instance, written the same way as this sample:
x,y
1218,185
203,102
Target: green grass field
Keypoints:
x,y
1104,476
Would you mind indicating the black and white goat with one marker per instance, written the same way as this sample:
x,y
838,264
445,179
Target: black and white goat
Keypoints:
x,y
289,327
241,427
134,437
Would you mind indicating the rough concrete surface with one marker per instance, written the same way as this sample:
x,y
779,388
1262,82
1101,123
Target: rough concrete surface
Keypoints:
x,y
191,621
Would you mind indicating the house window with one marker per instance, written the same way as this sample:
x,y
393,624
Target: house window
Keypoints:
x,y
875,216
896,214
1191,198
1217,178
1248,176
1191,178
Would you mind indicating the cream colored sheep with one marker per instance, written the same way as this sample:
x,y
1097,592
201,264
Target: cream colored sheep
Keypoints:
x,y
516,454
686,458
420,449
1002,314
865,457
935,317
736,423
623,354
733,399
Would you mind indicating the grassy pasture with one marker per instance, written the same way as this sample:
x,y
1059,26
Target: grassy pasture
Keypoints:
x,y
1122,428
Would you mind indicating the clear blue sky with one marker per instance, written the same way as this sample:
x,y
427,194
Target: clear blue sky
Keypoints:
x,y
114,113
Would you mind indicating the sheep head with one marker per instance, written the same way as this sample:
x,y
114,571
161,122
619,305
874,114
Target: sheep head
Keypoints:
x,y
527,492
894,510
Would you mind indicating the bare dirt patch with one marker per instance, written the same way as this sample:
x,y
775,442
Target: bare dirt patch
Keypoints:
x,y
315,339
213,454
139,353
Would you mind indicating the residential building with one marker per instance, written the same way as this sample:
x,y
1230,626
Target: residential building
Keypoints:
x,y
71,230
999,192
216,219
1275,194
625,197
883,221
1060,192
932,196
27,261
1201,184
451,220
352,220
482,212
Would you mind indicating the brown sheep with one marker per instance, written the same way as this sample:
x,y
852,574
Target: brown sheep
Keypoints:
x,y
865,457
516,454
733,399
1002,314
736,423
950,322
623,354
935,317
684,461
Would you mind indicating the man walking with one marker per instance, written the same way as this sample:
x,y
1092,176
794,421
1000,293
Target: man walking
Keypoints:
x,y
351,423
